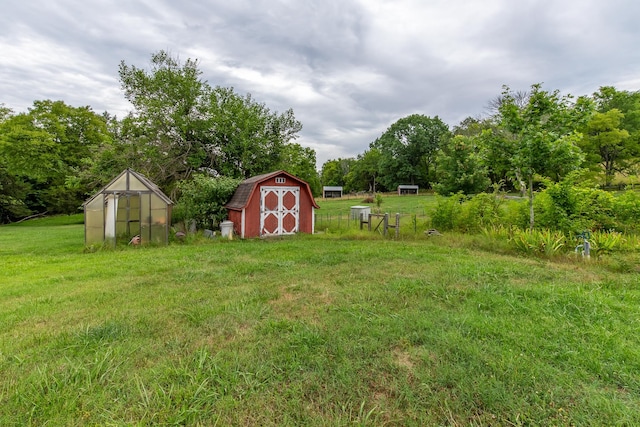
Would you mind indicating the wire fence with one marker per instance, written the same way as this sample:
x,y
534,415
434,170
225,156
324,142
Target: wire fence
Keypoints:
x,y
409,222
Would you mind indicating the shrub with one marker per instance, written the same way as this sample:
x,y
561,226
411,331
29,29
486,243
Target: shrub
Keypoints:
x,y
202,200
445,214
468,214
571,207
480,211
378,200
595,210
627,210
555,206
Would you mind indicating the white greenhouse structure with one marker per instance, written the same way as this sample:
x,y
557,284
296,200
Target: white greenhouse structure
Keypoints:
x,y
129,209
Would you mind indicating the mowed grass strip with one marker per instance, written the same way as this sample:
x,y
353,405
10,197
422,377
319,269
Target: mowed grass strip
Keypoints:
x,y
310,330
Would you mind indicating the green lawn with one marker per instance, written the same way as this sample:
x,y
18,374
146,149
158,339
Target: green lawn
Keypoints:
x,y
319,330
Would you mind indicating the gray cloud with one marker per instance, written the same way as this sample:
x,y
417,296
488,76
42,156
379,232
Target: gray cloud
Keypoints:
x,y
347,68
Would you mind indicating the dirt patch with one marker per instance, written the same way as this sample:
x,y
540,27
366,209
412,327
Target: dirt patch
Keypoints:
x,y
403,359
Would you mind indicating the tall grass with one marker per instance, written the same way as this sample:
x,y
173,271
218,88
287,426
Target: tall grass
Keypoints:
x,y
331,329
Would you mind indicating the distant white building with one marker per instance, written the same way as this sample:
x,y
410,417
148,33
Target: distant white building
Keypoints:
x,y
407,189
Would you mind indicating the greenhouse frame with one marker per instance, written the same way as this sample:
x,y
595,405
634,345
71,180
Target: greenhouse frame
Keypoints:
x,y
130,209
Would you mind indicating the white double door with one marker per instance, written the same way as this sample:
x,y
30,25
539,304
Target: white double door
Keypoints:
x,y
279,210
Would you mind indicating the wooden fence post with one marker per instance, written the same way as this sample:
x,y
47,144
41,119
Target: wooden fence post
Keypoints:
x,y
386,224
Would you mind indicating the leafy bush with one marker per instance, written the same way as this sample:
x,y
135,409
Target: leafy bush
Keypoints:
x,y
627,210
516,213
464,214
445,215
482,210
202,200
563,210
555,207
570,206
596,210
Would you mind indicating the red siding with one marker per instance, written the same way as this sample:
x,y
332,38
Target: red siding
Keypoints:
x,y
252,215
252,208
236,217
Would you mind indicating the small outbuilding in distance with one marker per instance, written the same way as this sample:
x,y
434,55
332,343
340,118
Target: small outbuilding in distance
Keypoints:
x,y
407,189
272,204
329,192
128,209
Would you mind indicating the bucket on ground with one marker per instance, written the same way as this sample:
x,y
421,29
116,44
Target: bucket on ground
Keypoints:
x,y
226,229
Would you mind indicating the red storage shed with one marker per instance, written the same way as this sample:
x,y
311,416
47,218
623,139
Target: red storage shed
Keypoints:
x,y
272,204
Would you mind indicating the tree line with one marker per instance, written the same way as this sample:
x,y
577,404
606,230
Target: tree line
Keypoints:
x,y
525,140
524,135
54,155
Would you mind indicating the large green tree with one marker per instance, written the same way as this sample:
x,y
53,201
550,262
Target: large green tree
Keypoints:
x,y
45,153
301,162
408,150
628,103
609,145
13,193
493,145
247,137
460,168
165,134
12,189
496,149
180,124
613,134
365,171
543,131
335,171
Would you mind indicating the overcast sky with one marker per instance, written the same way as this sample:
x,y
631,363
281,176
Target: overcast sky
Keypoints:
x,y
347,68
